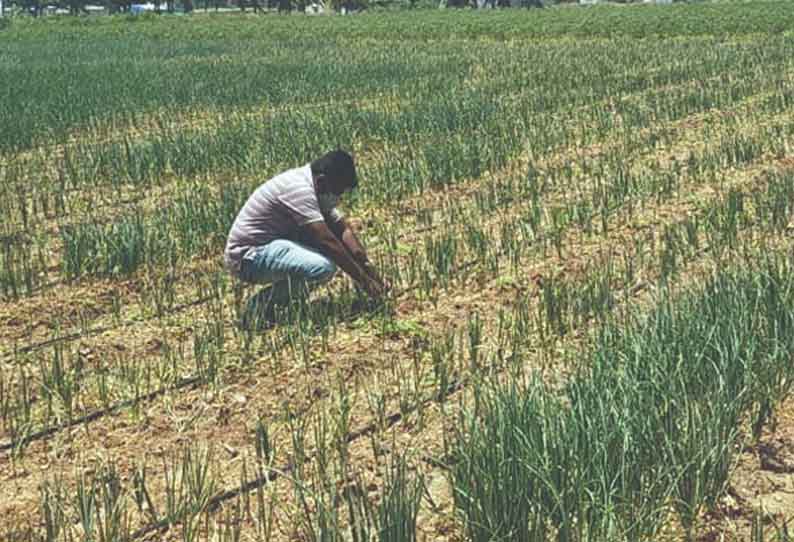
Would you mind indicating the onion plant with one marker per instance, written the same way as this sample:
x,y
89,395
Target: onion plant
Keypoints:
x,y
651,423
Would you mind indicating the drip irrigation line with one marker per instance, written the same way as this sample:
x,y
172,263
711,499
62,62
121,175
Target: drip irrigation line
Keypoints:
x,y
185,382
424,458
273,474
94,331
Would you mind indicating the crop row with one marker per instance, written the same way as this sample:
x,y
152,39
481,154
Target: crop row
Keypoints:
x,y
193,217
738,150
614,182
145,67
192,222
782,199
37,185
441,256
143,162
624,490
650,426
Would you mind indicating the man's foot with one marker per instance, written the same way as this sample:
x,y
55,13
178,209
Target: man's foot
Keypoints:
x,y
260,312
259,320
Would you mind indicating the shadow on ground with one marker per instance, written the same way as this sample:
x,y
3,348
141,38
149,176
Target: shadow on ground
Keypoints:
x,y
260,315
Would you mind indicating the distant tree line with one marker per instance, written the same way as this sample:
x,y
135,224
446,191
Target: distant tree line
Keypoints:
x,y
77,7
492,3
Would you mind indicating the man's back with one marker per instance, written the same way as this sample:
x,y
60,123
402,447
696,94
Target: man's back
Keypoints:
x,y
274,211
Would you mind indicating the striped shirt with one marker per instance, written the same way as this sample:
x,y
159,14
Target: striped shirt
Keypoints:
x,y
276,210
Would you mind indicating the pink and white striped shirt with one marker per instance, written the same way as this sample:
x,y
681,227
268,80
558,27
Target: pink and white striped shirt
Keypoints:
x,y
276,210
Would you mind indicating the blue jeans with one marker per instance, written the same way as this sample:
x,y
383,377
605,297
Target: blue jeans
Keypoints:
x,y
291,268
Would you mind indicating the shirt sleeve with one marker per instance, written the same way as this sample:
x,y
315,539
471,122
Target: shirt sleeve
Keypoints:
x,y
334,215
302,206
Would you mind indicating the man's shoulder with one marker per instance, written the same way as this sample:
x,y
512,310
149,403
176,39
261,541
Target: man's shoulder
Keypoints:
x,y
291,179
301,174
293,182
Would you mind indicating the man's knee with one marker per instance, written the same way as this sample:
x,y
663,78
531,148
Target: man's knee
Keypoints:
x,y
323,271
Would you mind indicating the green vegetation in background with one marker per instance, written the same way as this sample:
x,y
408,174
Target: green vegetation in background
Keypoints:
x,y
103,68
128,112
651,424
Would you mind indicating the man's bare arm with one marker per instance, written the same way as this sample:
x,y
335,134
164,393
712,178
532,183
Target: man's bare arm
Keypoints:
x,y
342,230
322,238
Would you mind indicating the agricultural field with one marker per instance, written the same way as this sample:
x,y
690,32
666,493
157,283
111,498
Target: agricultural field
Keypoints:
x,y
585,215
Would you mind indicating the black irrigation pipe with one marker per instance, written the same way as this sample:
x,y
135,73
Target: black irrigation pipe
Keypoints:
x,y
183,383
94,331
273,474
430,460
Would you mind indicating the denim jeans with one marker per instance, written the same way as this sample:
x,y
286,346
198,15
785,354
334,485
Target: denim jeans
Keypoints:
x,y
291,268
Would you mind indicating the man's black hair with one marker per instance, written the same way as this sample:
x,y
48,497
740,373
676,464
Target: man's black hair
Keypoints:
x,y
336,164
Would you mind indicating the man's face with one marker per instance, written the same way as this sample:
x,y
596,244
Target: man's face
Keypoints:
x,y
335,186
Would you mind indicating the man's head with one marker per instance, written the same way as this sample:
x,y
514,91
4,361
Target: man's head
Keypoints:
x,y
334,173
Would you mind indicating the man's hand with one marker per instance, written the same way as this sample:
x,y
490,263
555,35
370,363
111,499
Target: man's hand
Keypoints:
x,y
374,289
372,272
342,230
318,235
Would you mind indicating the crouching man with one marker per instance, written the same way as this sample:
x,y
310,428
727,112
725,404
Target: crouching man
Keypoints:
x,y
289,234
